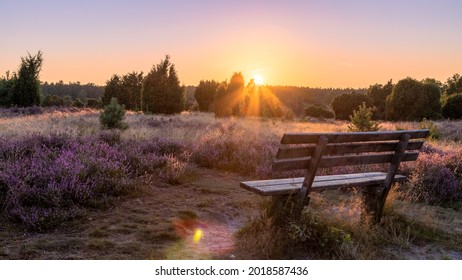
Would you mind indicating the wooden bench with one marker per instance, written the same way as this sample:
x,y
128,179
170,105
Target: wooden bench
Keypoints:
x,y
310,151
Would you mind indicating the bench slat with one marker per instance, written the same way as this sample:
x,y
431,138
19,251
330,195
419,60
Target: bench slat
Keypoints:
x,y
331,161
312,138
321,183
347,148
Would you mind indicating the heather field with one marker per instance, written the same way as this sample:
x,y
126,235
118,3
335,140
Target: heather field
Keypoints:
x,y
168,188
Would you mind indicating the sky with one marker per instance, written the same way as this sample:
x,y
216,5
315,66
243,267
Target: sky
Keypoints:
x,y
325,43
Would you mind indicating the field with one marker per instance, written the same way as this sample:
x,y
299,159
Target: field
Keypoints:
x,y
168,188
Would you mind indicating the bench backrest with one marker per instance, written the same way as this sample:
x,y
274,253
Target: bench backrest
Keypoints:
x,y
311,151
343,149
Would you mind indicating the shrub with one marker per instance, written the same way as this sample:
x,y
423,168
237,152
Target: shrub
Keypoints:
x,y
434,179
434,131
412,100
318,111
452,105
113,115
344,105
361,120
78,103
93,103
52,100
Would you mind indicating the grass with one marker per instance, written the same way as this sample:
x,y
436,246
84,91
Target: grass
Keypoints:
x,y
158,217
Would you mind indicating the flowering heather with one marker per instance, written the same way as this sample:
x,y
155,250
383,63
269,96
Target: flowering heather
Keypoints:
x,y
226,146
437,176
45,180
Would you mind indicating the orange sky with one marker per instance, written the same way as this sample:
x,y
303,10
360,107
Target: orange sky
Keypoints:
x,y
303,43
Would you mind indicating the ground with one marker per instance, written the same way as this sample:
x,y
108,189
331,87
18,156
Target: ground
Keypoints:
x,y
158,223
196,219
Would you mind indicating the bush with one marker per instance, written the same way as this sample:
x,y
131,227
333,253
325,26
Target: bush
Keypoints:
x,y
113,115
78,103
361,120
93,103
344,105
452,107
412,100
52,100
318,111
434,131
435,179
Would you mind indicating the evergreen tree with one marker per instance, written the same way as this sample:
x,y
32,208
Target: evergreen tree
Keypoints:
x,y
205,94
127,90
113,89
26,89
228,99
161,92
113,115
6,91
379,94
361,120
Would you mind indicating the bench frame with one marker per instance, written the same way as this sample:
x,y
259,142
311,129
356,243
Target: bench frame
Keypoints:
x,y
340,149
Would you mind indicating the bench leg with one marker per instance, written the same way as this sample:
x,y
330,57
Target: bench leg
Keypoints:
x,y
371,205
374,205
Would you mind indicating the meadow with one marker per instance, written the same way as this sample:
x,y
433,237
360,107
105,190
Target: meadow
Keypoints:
x,y
168,188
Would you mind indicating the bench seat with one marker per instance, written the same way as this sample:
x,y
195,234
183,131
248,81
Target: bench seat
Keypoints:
x,y
320,183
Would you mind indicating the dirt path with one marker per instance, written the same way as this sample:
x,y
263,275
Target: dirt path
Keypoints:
x,y
193,220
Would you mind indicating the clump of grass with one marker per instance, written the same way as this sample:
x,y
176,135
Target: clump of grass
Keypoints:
x,y
329,230
227,146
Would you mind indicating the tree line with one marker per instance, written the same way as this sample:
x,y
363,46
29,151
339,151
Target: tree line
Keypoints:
x,y
160,92
407,100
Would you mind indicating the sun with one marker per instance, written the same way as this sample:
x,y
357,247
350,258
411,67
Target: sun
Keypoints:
x,y
258,79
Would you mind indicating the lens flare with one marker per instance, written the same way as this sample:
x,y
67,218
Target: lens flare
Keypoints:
x,y
198,233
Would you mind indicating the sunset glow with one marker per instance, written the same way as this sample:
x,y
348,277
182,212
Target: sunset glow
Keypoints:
x,y
302,43
258,79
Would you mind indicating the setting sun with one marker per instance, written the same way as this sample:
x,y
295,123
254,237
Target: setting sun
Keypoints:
x,y
258,79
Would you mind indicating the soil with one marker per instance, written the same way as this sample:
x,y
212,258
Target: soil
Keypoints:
x,y
195,219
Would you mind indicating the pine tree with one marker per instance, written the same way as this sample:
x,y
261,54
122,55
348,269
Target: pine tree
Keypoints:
x,y
161,92
113,115
361,120
26,89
